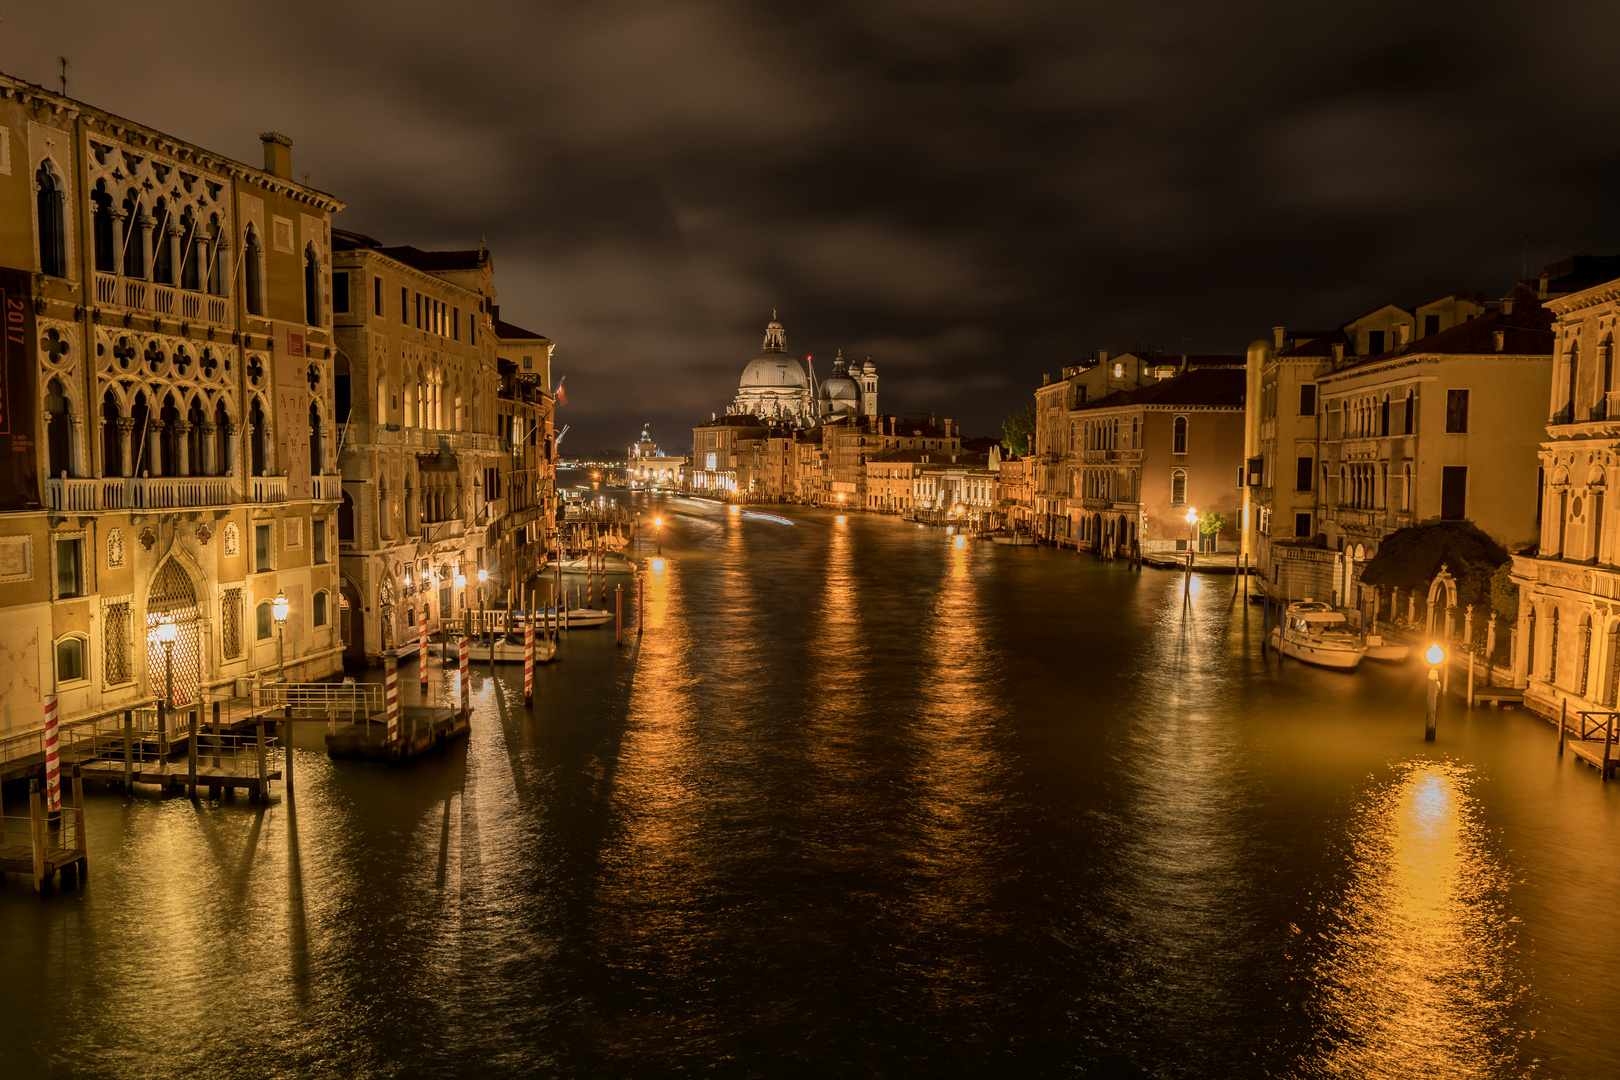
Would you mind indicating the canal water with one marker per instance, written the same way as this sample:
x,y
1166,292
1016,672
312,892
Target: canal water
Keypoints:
x,y
865,801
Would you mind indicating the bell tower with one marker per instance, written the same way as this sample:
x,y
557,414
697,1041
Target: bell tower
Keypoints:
x,y
868,381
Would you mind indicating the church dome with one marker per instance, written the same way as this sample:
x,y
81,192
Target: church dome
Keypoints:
x,y
774,371
839,388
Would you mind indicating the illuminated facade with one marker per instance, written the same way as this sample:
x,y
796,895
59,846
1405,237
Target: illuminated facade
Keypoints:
x,y
173,436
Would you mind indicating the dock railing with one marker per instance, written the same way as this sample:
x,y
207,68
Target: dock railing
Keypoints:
x,y
324,700
27,744
40,844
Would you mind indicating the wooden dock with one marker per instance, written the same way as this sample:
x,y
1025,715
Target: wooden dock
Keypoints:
x,y
1591,751
51,846
422,730
177,777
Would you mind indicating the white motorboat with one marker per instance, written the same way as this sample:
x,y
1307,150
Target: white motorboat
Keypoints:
x,y
1016,539
575,618
1317,634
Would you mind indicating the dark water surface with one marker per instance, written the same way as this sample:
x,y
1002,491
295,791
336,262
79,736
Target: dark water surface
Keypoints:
x,y
867,803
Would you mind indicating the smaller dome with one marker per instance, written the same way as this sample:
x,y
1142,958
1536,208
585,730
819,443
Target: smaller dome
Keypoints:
x,y
870,367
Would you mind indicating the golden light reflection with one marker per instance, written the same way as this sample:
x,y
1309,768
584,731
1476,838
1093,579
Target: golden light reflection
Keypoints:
x,y
840,519
658,566
1416,979
961,542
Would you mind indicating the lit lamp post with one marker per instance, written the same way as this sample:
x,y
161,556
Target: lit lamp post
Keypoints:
x,y
166,633
278,607
1192,526
483,576
1435,656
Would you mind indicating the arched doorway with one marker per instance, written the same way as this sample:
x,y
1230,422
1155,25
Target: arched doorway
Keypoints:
x,y
351,621
172,598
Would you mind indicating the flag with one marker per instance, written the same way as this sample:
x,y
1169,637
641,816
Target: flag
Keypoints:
x,y
562,398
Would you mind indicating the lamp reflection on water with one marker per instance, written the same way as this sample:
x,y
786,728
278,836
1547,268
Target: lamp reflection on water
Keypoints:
x,y
1416,977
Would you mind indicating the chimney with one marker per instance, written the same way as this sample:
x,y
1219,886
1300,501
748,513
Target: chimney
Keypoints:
x,y
277,154
1499,338
1277,335
1046,378
1338,353
1507,306
1102,356
1403,333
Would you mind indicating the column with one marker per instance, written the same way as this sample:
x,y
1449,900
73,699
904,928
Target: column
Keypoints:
x,y
75,444
154,445
143,224
182,448
126,456
210,466
230,447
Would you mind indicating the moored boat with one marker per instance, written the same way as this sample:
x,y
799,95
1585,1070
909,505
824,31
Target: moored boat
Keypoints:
x,y
1391,652
1317,634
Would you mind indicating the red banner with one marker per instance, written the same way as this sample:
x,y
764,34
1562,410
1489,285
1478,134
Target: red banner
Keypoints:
x,y
19,457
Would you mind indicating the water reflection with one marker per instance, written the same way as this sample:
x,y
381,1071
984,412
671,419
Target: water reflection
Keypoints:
x,y
1416,977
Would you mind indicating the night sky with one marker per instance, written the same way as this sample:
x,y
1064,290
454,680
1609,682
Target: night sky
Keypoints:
x,y
970,193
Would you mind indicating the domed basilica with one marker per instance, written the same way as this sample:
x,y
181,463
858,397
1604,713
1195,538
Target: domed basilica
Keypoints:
x,y
776,387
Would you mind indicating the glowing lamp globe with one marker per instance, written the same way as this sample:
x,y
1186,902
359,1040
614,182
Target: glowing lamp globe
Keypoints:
x,y
279,606
1434,655
483,576
1192,516
658,522
166,631
461,581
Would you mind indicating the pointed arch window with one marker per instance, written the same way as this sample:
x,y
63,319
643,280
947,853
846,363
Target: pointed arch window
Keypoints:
x,y
102,232
1410,419
312,286
162,244
253,269
52,221
1178,438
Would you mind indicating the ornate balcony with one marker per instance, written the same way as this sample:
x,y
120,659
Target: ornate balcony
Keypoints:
x,y
268,489
137,294
138,493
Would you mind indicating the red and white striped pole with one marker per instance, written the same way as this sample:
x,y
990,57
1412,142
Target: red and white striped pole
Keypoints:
x,y
466,683
528,661
391,693
53,760
421,649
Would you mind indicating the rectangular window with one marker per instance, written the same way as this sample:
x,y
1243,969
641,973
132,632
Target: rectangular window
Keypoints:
x,y
1431,325
262,548
1302,474
528,363
69,568
1307,399
455,323
1375,342
318,539
404,306
1456,412
1302,525
320,608
340,292
69,660
1454,492
230,623
419,311
376,295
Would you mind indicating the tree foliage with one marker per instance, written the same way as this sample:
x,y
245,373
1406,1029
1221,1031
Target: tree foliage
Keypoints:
x,y
1505,593
1018,431
1410,558
1210,523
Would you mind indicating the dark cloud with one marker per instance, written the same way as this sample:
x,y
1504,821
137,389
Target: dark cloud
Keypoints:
x,y
969,193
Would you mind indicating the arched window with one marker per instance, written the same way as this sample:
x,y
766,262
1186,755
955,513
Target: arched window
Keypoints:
x,y
317,459
1344,489
70,660
260,440
312,286
253,269
101,230
264,621
1406,488
318,608
52,221
381,415
112,439
1383,486
190,275
1410,418
162,244
1530,642
1383,417
218,253
1178,487
133,240
1572,385
1178,441
1602,407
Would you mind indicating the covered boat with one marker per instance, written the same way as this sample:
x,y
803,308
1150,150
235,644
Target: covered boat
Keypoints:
x,y
1318,634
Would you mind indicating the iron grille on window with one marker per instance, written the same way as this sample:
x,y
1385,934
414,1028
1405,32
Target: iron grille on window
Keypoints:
x,y
115,644
230,623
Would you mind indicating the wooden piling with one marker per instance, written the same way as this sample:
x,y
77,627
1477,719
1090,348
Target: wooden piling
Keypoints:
x,y
129,751
83,841
1563,707
219,733
1470,680
287,751
618,614
1608,747
191,755
36,833
264,771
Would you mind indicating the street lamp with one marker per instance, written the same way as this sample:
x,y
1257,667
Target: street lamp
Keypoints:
x,y
483,576
1436,656
279,607
166,633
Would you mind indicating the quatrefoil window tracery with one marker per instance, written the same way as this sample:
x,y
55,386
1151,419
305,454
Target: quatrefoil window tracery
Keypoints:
x,y
54,348
154,358
209,363
255,370
314,378
124,354
182,362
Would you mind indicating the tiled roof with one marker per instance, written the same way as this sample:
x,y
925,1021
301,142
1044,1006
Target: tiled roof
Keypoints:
x,y
437,261
510,331
1526,332
1219,387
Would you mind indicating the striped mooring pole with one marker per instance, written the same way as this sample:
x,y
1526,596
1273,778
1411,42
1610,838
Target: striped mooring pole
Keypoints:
x,y
421,649
391,693
466,683
53,760
528,661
